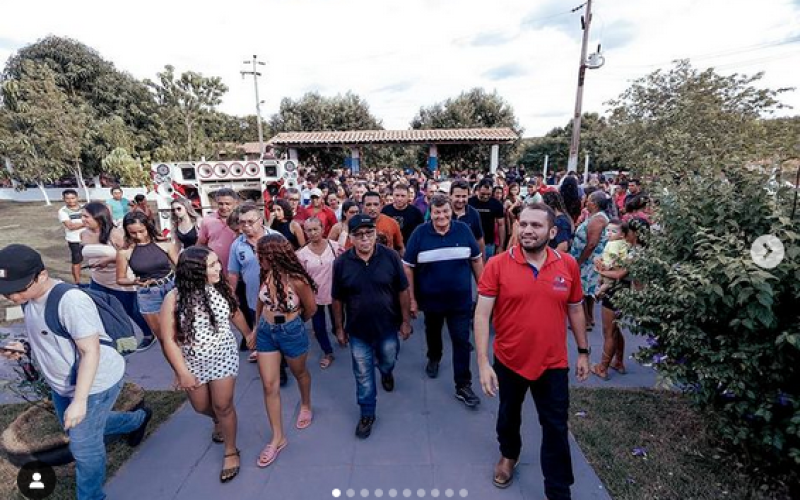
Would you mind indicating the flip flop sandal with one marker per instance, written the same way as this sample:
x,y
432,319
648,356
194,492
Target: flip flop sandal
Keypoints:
x,y
269,454
228,474
599,374
253,357
505,484
304,419
619,369
326,361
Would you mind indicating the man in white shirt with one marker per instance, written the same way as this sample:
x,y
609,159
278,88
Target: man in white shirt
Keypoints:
x,y
85,376
70,216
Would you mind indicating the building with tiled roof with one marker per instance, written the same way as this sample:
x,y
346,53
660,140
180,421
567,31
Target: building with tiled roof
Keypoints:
x,y
409,137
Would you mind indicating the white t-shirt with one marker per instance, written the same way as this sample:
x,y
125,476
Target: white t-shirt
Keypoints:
x,y
65,214
56,355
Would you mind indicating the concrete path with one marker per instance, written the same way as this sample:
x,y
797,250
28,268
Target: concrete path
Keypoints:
x,y
424,441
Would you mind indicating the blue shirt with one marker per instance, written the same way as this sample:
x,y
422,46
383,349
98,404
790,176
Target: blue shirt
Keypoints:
x,y
471,218
118,208
442,266
243,261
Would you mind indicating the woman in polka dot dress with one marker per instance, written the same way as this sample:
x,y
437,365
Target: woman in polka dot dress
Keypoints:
x,y
199,344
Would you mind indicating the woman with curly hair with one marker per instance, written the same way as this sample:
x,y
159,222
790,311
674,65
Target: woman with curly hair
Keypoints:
x,y
198,342
286,301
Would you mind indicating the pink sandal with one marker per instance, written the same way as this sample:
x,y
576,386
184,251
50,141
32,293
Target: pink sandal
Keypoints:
x,y
269,454
304,419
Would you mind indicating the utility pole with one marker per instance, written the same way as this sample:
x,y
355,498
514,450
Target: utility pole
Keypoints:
x,y
255,62
586,21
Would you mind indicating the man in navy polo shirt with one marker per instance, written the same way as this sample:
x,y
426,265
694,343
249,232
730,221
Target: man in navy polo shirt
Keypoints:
x,y
441,258
370,290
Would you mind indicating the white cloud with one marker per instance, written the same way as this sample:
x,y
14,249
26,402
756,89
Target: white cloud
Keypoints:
x,y
400,55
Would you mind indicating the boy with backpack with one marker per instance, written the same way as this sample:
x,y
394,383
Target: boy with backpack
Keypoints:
x,y
76,338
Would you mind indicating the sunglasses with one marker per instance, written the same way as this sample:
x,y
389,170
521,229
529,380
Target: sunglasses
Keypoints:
x,y
361,235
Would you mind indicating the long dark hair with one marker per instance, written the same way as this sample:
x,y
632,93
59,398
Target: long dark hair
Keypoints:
x,y
571,195
141,218
283,263
288,213
191,278
102,215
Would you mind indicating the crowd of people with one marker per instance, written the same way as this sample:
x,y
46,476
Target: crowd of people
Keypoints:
x,y
359,257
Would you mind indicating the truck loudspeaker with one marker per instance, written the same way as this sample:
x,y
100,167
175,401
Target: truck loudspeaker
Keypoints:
x,y
205,171
252,169
237,170
165,189
221,170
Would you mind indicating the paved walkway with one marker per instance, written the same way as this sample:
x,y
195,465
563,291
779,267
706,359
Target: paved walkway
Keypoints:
x,y
423,439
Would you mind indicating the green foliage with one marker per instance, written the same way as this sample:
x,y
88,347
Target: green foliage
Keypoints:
x,y
473,109
44,128
314,112
720,327
186,103
127,169
685,120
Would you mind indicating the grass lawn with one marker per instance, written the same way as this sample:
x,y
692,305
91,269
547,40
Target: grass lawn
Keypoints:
x,y
163,404
650,444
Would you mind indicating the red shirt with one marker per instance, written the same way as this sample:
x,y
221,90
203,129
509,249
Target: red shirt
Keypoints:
x,y
325,215
216,235
530,308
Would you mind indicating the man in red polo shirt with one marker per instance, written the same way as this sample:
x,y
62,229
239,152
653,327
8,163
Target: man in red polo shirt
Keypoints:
x,y
530,289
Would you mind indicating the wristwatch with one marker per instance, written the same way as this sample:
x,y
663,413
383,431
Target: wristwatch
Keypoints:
x,y
588,350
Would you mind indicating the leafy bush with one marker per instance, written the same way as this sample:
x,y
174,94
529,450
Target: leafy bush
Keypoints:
x,y
723,329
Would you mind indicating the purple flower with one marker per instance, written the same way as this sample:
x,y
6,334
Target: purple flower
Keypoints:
x,y
728,394
639,452
659,358
581,414
783,399
682,360
652,341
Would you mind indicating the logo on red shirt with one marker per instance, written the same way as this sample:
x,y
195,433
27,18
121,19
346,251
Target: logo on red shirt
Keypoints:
x,y
560,284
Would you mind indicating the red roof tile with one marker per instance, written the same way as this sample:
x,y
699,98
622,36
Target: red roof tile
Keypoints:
x,y
355,137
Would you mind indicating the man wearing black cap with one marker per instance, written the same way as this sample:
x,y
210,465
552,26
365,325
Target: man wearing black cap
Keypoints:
x,y
370,289
83,399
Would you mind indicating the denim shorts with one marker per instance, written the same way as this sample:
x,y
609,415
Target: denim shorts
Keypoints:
x,y
289,338
151,298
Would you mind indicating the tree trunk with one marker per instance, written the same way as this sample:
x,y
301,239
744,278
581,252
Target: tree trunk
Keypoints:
x,y
40,184
81,183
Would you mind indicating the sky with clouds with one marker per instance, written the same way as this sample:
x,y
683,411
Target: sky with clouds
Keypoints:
x,y
400,55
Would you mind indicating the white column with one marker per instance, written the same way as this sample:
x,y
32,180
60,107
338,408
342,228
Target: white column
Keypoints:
x,y
586,170
544,171
293,154
495,158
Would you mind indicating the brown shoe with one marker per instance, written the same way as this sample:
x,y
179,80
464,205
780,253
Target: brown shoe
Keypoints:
x,y
504,472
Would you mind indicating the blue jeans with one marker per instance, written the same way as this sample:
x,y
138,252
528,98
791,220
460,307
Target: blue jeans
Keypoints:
x,y
86,439
290,339
130,302
151,297
366,355
489,250
321,329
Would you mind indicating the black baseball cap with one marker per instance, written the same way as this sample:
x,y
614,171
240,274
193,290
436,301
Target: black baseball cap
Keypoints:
x,y
19,264
360,220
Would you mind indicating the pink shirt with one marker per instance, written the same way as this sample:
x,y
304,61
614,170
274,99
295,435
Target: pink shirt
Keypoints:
x,y
216,235
320,268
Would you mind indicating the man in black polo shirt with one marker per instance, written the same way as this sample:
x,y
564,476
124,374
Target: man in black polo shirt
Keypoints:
x,y
370,289
407,216
441,259
462,212
490,211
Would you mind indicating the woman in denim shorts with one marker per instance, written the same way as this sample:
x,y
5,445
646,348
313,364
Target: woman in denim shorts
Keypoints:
x,y
152,260
285,302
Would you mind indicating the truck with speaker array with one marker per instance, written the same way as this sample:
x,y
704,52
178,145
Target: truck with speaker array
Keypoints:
x,y
254,180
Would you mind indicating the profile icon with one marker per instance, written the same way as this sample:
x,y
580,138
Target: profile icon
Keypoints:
x,y
37,483
36,480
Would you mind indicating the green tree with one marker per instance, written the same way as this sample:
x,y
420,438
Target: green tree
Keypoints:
x,y
186,102
126,168
472,109
110,97
314,112
44,130
687,120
